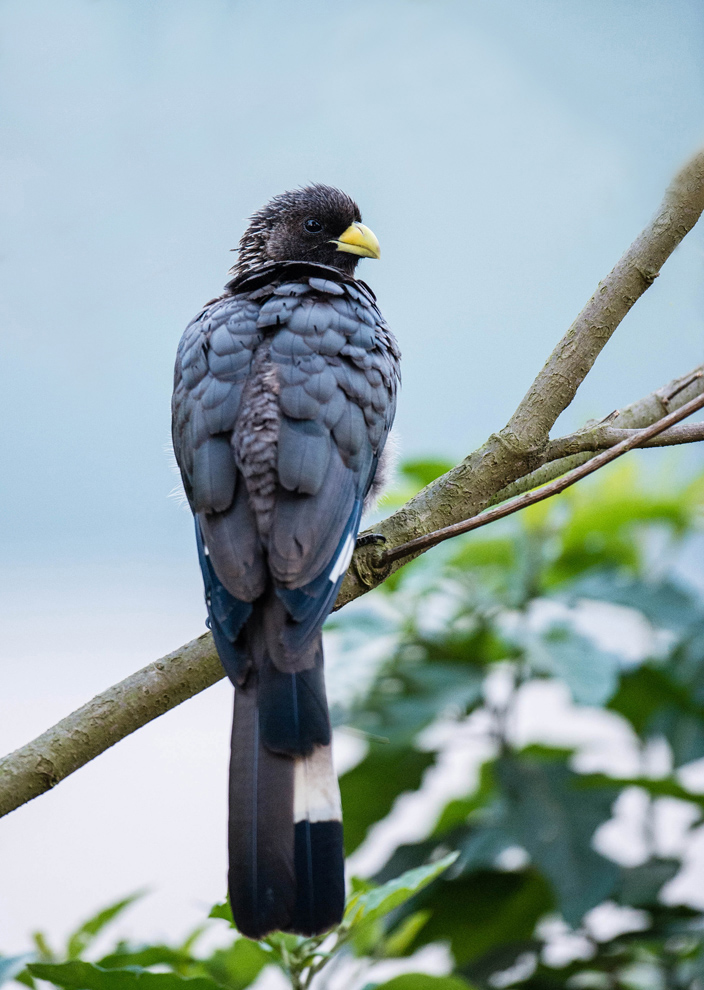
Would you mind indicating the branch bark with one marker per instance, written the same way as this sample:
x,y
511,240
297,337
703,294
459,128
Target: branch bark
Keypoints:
x,y
511,461
603,437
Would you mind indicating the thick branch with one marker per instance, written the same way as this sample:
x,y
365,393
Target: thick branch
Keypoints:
x,y
566,368
482,479
109,717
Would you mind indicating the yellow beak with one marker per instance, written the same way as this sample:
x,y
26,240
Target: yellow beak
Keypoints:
x,y
358,239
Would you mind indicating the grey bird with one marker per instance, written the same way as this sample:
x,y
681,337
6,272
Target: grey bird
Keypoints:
x,y
284,394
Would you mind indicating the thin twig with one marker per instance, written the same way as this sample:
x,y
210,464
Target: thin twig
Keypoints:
x,y
604,437
637,438
637,415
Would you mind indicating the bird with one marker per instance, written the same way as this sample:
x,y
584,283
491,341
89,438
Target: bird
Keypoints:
x,y
285,390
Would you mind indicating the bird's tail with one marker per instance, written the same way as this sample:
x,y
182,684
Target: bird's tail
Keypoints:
x,y
285,832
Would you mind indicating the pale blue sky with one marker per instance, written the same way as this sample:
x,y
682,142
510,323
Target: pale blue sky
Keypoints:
x,y
505,152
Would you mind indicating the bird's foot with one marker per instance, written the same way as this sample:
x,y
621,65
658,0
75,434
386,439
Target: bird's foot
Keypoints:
x,y
370,539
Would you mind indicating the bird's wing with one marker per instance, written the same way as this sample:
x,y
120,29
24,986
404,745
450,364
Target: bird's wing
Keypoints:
x,y
213,362
337,367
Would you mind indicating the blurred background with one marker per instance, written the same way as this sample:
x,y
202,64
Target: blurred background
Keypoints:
x,y
505,154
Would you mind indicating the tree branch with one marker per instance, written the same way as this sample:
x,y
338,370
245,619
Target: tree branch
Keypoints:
x,y
515,456
109,717
566,368
518,449
638,414
635,438
603,437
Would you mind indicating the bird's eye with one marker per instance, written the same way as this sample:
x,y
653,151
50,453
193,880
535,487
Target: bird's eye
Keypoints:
x,y
313,226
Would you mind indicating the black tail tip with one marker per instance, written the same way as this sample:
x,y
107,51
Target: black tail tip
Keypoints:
x,y
320,888
320,877
259,915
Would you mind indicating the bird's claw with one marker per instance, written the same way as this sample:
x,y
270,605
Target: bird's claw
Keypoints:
x,y
370,539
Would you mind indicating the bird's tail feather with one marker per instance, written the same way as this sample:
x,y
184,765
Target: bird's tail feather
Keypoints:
x,y
293,709
285,835
261,880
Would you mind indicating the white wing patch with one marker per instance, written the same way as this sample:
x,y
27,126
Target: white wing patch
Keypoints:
x,y
344,558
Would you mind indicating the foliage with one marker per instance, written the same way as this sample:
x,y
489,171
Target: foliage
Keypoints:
x,y
130,967
470,631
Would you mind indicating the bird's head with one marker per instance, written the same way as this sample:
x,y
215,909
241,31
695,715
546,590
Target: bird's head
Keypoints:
x,y
317,223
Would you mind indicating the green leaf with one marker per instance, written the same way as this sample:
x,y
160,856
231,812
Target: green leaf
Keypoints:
x,y
46,953
482,911
655,786
554,820
239,965
403,934
590,673
79,941
85,976
148,955
663,603
370,789
656,705
456,812
422,981
367,937
641,885
285,942
407,697
379,901
602,522
11,966
223,911
498,554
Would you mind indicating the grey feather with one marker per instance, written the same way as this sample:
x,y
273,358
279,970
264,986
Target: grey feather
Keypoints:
x,y
289,345
350,431
321,386
214,476
235,548
291,374
303,456
331,342
325,285
261,835
291,289
221,418
306,530
230,367
215,393
334,408
297,403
